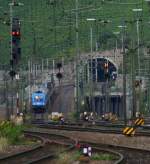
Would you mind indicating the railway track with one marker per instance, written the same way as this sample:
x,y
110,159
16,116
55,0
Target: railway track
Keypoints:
x,y
108,124
129,155
125,155
101,129
48,149
81,123
63,139
45,151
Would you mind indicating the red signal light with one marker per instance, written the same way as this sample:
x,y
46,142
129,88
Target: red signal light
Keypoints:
x,y
78,146
15,33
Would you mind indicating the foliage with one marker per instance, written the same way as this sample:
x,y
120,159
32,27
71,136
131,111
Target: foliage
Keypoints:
x,y
84,159
67,158
104,156
64,158
48,27
3,144
10,131
73,115
76,155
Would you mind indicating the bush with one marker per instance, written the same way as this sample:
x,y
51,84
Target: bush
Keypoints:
x,y
76,155
73,116
104,156
18,120
10,131
84,159
64,158
3,144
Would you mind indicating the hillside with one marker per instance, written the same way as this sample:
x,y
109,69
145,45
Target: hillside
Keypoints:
x,y
48,26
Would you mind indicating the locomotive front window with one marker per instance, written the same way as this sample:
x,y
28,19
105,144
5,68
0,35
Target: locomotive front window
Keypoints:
x,y
38,98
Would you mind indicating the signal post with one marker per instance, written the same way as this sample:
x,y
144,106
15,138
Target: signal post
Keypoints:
x,y
15,49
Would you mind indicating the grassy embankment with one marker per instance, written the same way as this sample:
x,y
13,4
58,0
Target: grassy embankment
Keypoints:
x,y
48,28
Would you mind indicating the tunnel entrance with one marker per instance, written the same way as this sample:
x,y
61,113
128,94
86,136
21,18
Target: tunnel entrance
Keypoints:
x,y
98,104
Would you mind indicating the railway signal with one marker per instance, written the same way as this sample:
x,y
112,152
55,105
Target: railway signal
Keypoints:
x,y
59,66
106,70
87,150
106,67
15,41
15,49
12,73
59,75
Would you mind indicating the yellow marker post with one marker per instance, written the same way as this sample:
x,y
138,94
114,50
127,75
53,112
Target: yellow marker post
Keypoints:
x,y
125,130
136,121
139,122
129,131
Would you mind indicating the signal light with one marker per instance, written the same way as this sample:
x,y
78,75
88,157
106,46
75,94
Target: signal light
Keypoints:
x,y
12,73
59,75
105,65
16,50
15,33
106,68
59,65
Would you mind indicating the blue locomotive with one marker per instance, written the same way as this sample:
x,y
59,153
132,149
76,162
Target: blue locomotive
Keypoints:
x,y
40,100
